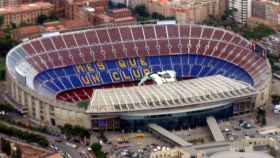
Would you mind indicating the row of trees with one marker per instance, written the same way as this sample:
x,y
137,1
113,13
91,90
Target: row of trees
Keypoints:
x,y
142,14
2,68
27,136
228,21
75,131
44,18
7,108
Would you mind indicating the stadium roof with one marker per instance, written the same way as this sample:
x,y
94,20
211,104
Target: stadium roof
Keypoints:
x,y
169,95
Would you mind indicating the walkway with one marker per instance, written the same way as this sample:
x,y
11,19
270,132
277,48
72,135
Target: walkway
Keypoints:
x,y
215,129
170,137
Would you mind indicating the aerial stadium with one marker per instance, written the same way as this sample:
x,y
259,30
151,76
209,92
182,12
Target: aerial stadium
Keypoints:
x,y
127,76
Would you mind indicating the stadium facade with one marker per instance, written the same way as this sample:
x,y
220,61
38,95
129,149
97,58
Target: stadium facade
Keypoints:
x,y
49,76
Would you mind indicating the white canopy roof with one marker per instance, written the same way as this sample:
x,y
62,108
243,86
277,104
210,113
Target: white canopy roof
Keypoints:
x,y
169,95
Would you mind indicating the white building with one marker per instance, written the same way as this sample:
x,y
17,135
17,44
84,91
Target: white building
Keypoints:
x,y
244,9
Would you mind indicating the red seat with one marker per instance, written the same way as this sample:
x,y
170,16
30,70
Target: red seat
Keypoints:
x,y
87,54
77,57
58,42
172,31
37,46
126,34
149,32
48,44
28,48
161,31
141,50
81,39
174,43
114,34
184,31
119,50
163,47
137,33
56,60
130,50
207,33
92,37
108,52
218,34
196,31
69,40
153,49
103,36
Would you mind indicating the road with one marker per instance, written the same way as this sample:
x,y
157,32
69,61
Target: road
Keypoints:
x,y
74,153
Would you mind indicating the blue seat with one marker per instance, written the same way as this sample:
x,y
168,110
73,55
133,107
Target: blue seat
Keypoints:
x,y
195,69
111,65
156,68
75,81
105,77
165,60
176,59
52,86
58,84
154,61
179,71
69,70
66,83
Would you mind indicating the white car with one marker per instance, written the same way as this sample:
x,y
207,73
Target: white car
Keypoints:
x,y
276,109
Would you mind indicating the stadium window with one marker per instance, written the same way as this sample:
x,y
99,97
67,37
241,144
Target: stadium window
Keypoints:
x,y
163,102
170,102
130,106
137,104
177,101
183,100
117,107
124,106
157,103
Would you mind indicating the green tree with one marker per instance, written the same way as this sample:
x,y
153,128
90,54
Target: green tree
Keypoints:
x,y
74,131
96,147
261,116
5,146
1,21
157,16
53,17
141,10
42,19
258,32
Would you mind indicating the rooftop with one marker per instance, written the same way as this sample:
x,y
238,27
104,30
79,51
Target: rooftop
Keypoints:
x,y
169,95
25,8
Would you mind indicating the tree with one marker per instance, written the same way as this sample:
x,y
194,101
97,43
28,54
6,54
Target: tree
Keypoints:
x,y
1,21
5,146
74,131
141,10
42,19
96,147
53,17
157,16
261,116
